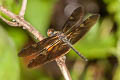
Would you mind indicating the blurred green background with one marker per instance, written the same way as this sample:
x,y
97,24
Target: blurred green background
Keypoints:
x,y
101,45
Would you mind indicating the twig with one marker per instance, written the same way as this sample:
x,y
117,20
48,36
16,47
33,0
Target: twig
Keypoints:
x,y
20,20
61,63
23,8
9,22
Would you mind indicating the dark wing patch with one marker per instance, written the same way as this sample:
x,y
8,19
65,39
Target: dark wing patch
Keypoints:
x,y
36,48
82,29
60,49
73,19
38,60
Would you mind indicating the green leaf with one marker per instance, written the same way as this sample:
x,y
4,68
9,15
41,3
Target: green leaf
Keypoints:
x,y
9,64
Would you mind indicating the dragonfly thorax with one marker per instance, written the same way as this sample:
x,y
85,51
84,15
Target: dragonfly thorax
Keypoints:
x,y
59,34
52,32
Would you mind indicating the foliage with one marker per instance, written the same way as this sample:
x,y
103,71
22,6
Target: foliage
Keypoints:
x,y
9,64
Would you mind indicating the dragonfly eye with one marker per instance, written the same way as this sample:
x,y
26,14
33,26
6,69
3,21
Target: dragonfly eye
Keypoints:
x,y
50,32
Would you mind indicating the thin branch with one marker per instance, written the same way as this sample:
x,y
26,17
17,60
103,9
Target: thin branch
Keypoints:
x,y
23,8
20,20
9,22
61,63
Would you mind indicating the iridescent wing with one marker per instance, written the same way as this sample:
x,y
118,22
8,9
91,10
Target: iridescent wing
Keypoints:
x,y
37,47
80,30
56,51
76,17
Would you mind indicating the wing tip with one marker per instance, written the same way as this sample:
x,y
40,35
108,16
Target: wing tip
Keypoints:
x,y
33,65
96,16
20,54
30,65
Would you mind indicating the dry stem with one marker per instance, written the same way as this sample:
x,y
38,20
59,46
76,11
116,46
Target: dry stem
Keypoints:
x,y
23,8
19,21
61,63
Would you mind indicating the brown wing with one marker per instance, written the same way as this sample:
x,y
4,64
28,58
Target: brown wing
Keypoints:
x,y
73,19
82,29
38,47
60,49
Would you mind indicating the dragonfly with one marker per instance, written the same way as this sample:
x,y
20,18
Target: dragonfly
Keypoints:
x,y
59,43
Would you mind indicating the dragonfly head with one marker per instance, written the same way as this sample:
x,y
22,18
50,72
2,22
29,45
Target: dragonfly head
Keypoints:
x,y
51,32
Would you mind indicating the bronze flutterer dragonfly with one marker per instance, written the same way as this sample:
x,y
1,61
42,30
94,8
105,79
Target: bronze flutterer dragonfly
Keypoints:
x,y
59,42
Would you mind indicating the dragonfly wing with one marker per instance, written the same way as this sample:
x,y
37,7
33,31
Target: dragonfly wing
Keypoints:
x,y
56,51
76,16
38,60
78,32
37,47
